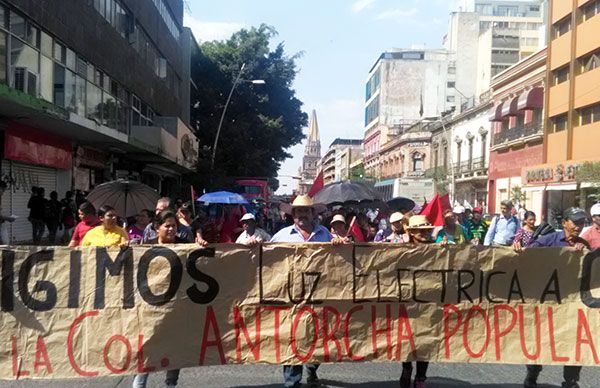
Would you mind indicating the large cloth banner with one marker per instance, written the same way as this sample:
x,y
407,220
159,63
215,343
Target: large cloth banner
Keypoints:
x,y
97,312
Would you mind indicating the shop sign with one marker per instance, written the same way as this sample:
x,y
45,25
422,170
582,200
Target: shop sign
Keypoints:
x,y
564,172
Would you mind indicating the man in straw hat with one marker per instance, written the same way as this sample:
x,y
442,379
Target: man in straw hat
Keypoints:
x,y
419,230
303,230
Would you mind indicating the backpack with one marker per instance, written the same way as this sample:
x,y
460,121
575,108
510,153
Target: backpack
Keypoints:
x,y
542,229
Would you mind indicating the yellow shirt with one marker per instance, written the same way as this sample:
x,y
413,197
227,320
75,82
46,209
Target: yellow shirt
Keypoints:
x,y
100,237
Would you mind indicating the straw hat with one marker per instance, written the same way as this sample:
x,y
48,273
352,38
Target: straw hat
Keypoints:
x,y
395,217
302,201
338,218
419,222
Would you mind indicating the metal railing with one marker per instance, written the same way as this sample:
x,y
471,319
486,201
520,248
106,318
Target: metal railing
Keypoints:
x,y
470,166
518,132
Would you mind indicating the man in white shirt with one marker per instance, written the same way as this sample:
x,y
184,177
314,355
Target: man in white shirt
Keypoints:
x,y
251,234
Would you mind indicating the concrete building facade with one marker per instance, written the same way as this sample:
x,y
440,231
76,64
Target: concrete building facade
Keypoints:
x,y
91,91
338,157
572,104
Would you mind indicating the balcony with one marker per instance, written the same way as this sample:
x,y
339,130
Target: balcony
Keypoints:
x,y
519,132
505,58
473,167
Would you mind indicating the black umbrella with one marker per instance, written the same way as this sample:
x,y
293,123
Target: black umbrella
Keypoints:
x,y
346,192
401,203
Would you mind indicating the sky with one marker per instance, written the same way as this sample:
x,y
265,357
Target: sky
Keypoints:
x,y
340,41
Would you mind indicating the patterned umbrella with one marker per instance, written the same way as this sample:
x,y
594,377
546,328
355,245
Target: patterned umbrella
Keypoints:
x,y
127,197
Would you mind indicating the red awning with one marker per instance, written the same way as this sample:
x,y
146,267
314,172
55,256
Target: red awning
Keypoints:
x,y
496,113
531,99
34,146
510,107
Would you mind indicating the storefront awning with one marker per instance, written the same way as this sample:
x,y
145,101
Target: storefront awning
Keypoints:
x,y
496,113
510,107
531,99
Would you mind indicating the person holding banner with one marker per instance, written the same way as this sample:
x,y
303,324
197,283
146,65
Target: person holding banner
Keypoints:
x,y
304,229
165,225
573,222
108,233
89,220
452,233
419,231
398,235
252,234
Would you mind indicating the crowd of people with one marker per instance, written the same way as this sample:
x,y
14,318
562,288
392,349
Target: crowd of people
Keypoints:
x,y
305,221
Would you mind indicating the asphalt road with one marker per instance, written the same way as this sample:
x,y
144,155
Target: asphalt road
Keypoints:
x,y
341,375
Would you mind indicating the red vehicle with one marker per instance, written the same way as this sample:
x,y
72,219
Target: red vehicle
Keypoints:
x,y
254,190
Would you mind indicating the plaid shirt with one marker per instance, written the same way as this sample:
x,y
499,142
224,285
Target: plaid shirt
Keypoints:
x,y
476,230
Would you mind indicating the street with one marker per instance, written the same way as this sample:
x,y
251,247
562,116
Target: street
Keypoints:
x,y
340,375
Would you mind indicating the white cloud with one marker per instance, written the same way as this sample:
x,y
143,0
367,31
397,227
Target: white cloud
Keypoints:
x,y
396,14
207,31
361,5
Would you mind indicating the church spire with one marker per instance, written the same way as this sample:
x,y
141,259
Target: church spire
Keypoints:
x,y
313,128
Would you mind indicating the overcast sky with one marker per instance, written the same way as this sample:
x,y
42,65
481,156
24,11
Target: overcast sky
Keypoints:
x,y
340,39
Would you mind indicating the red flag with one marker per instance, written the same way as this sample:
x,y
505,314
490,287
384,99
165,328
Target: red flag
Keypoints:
x,y
435,209
355,231
317,185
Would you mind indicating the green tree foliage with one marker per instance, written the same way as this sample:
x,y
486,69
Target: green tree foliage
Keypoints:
x,y
262,121
589,172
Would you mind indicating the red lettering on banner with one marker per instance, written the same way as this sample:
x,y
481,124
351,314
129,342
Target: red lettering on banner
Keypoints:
x,y
241,326
555,357
404,324
582,324
141,368
41,356
448,333
538,346
329,335
127,344
498,334
70,336
211,322
313,342
472,311
17,362
387,331
276,324
347,335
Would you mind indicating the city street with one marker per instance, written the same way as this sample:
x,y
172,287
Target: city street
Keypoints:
x,y
344,375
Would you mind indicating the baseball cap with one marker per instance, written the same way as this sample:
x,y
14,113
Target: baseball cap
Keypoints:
x,y
248,216
477,210
458,209
338,218
574,214
395,217
595,210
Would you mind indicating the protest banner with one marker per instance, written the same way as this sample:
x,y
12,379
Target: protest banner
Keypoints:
x,y
95,312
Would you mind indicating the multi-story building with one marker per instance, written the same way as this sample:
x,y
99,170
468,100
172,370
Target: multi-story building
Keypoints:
x,y
91,91
517,132
572,114
312,157
462,146
402,87
488,40
345,157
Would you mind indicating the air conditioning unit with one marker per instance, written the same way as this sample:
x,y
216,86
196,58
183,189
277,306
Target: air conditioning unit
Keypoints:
x,y
25,81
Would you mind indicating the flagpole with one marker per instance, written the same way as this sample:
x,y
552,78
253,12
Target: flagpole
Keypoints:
x,y
193,200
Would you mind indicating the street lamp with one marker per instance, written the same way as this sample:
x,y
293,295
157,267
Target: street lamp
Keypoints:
x,y
237,81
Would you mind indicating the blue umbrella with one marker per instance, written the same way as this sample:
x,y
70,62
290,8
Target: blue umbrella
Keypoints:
x,y
224,197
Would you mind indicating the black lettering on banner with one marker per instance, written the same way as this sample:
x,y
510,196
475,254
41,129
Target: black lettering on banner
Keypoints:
x,y
462,289
261,294
489,282
193,292
586,280
8,276
552,291
515,288
74,279
400,284
303,297
40,286
123,263
316,276
415,272
355,276
176,271
379,299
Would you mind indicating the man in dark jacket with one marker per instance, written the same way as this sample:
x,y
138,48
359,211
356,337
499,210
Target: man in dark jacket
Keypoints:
x,y
573,222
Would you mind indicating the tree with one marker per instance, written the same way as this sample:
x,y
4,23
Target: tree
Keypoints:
x,y
261,122
589,173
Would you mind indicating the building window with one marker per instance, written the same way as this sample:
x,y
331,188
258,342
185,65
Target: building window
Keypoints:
x,y
3,16
559,123
561,75
25,69
484,147
561,27
450,99
590,10
372,111
451,84
418,161
3,56
589,62
507,10
413,55
470,152
589,114
373,85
